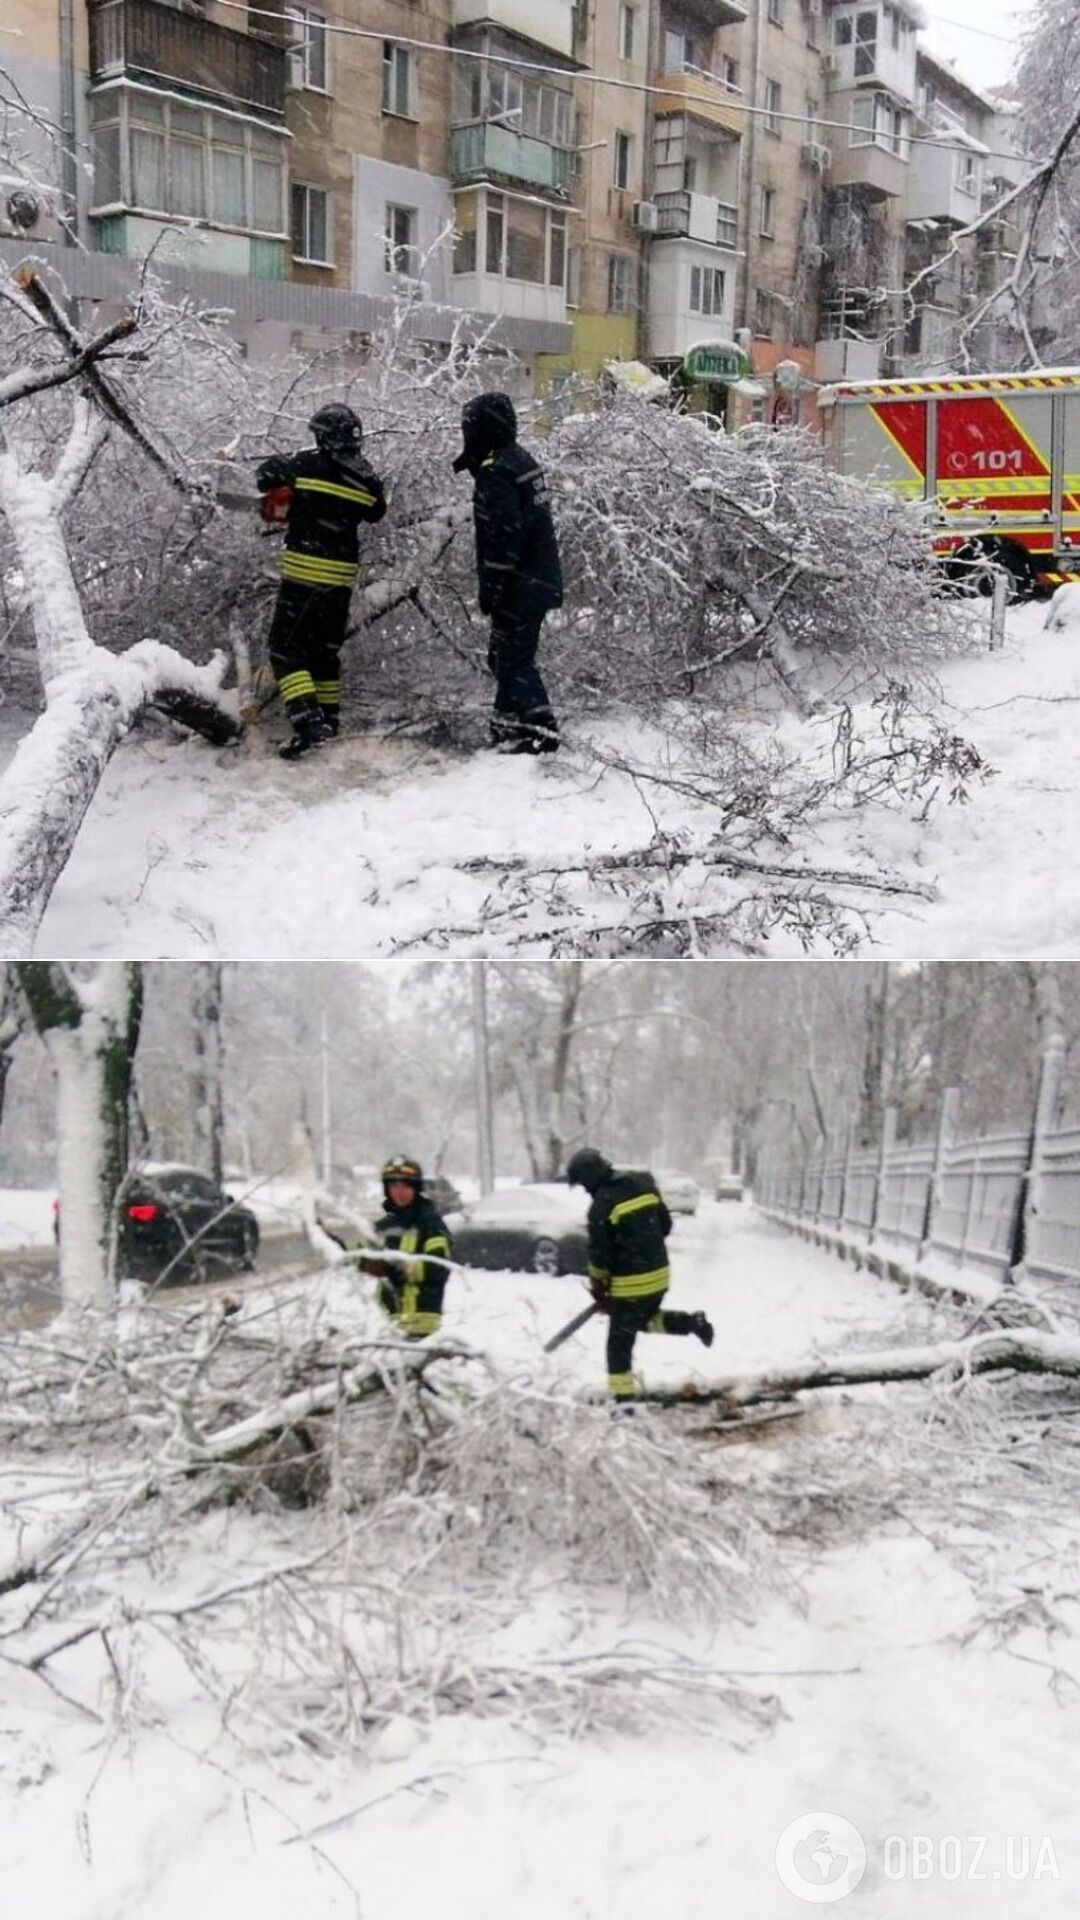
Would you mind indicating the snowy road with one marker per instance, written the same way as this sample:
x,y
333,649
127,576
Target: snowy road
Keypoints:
x,y
888,1723
366,849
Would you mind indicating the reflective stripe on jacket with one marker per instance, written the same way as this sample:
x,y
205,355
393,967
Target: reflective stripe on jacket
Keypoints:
x,y
628,1228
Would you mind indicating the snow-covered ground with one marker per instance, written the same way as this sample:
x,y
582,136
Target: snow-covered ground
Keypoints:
x,y
363,849
921,1742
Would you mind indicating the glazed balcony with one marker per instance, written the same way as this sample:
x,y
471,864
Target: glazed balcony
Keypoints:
x,y
697,216
704,100
145,40
485,151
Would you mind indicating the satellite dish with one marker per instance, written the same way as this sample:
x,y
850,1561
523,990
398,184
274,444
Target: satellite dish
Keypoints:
x,y
23,209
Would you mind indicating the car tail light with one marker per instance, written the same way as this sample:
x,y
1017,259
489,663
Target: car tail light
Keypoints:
x,y
142,1212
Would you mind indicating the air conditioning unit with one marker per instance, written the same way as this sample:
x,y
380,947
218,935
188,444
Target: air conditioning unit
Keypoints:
x,y
830,63
816,155
27,212
645,216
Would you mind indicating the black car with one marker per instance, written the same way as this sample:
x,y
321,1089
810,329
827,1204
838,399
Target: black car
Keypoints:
x,y
526,1229
442,1193
176,1222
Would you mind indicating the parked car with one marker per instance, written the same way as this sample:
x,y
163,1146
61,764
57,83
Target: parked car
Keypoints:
x,y
442,1193
528,1229
729,1186
679,1191
177,1218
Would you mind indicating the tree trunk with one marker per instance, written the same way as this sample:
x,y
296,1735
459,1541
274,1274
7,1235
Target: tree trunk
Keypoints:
x,y
1028,1350
90,1028
207,1105
56,770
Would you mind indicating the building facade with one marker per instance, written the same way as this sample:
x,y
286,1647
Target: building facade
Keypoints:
x,y
593,180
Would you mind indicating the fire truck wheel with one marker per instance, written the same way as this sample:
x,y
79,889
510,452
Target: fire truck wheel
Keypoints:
x,y
973,568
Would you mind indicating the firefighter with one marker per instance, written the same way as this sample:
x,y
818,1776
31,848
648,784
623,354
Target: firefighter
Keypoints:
x,y
628,1264
410,1292
320,496
519,576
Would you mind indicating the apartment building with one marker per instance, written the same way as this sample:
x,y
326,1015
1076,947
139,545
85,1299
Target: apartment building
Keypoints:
x,y
309,177
749,177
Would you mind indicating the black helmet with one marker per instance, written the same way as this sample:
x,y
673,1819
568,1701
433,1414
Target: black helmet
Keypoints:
x,y
337,429
587,1168
487,422
401,1168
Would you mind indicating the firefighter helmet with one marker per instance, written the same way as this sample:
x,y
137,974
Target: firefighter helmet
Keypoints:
x,y
337,429
400,1169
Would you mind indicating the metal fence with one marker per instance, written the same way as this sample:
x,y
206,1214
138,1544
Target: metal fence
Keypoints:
x,y
998,1205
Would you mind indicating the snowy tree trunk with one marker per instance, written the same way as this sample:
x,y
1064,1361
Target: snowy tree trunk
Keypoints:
x,y
90,1027
207,1104
92,697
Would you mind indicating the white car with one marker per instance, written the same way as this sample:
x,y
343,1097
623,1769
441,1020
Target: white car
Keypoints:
x,y
680,1193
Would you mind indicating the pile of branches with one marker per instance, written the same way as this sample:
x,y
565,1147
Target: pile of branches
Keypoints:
x,y
397,1514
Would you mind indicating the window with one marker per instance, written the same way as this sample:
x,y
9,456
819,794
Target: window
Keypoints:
x,y
841,32
811,28
466,213
766,212
557,250
866,26
401,250
893,18
311,224
623,154
762,314
627,32
163,156
307,56
776,13
521,237
680,51
689,174
729,72
397,88
707,290
573,277
967,180
877,122
810,114
772,106
619,289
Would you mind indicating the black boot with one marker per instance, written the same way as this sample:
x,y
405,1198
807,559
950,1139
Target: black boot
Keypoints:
x,y
331,717
702,1326
309,730
542,731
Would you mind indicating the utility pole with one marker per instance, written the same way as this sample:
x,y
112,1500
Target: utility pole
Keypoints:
x,y
485,1132
324,1063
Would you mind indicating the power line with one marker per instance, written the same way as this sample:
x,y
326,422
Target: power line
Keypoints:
x,y
589,77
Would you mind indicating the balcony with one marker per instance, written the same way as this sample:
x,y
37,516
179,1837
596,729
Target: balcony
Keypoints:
x,y
485,151
704,100
945,183
546,23
880,174
149,41
696,216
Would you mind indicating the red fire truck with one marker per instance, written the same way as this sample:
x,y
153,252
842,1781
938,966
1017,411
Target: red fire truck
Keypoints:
x,y
995,456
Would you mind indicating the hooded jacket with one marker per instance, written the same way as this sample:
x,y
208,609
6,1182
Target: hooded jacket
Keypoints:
x,y
517,553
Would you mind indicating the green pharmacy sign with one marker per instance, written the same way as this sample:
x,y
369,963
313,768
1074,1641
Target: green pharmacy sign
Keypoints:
x,y
717,360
